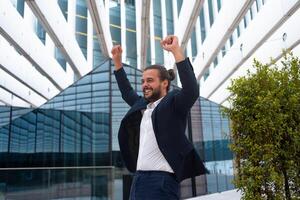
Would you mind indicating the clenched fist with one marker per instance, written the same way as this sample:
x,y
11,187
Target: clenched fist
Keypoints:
x,y
170,43
117,56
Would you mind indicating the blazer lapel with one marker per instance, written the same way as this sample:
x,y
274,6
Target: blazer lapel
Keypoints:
x,y
140,105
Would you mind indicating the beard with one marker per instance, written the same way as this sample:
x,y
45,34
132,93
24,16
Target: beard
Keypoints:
x,y
154,96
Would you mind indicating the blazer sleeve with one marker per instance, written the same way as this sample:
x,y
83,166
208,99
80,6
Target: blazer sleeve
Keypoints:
x,y
128,93
189,93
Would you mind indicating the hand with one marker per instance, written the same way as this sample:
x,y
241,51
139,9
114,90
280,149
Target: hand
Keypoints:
x,y
170,43
117,56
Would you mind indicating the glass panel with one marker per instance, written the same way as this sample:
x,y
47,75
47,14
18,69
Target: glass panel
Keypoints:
x,y
81,26
60,58
40,31
179,5
71,183
131,36
210,12
4,115
79,128
63,4
202,25
115,21
219,4
213,146
169,13
194,45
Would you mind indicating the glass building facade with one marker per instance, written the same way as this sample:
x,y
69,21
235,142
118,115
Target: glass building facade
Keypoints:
x,y
68,148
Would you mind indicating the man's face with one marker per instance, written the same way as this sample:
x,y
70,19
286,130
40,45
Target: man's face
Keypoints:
x,y
153,88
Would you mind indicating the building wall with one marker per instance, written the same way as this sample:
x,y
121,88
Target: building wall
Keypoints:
x,y
70,143
222,43
255,30
57,45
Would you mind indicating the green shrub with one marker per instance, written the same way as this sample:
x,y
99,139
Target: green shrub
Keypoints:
x,y
265,126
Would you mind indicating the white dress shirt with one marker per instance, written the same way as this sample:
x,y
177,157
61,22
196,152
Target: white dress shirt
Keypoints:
x,y
150,157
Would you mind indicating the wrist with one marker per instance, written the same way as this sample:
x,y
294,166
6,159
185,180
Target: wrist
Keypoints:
x,y
178,55
118,65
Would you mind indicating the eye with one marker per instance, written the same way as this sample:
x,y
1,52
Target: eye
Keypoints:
x,y
149,80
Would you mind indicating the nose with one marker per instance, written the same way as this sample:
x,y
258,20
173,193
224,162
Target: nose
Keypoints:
x,y
144,85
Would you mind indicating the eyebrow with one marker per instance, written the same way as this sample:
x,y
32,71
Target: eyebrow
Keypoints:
x,y
147,79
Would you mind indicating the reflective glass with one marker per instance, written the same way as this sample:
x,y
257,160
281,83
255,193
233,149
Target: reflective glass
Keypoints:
x,y
81,26
79,128
77,183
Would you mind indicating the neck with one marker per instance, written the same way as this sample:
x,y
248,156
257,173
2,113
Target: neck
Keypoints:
x,y
157,98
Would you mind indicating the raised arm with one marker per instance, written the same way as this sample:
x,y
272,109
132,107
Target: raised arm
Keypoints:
x,y
189,93
128,93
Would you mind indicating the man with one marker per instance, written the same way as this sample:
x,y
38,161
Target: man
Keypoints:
x,y
152,134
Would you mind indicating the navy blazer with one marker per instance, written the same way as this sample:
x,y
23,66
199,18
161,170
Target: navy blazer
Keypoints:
x,y
169,120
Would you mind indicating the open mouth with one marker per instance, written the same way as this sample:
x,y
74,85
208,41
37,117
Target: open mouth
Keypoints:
x,y
147,91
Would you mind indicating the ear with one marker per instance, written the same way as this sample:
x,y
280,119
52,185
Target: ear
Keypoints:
x,y
165,83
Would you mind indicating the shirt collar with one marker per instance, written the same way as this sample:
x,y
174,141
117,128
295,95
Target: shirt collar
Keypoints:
x,y
154,104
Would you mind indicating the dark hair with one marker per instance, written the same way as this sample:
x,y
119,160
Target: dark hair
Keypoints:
x,y
164,74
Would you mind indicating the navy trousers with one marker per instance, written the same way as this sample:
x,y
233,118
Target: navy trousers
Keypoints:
x,y
154,185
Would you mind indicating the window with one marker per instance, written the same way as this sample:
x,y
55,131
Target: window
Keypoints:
x,y
206,74
202,25
19,5
216,62
63,4
81,26
210,12
231,40
238,31
219,4
41,33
